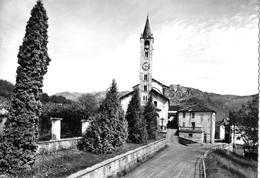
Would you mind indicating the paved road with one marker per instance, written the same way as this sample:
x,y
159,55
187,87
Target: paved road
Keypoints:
x,y
176,160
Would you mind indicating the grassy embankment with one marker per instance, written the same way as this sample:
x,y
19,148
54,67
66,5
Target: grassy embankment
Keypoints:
x,y
221,163
66,162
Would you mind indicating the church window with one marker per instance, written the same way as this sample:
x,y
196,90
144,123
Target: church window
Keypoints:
x,y
190,135
145,88
155,103
147,42
145,77
192,115
144,98
146,53
183,124
183,114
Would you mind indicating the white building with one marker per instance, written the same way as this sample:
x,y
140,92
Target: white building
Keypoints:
x,y
197,123
147,85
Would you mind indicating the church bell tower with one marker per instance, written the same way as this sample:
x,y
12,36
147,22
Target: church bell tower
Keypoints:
x,y
146,53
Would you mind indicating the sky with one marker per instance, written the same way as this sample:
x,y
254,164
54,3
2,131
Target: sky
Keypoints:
x,y
211,45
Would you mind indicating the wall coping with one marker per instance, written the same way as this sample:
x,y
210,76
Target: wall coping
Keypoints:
x,y
105,162
60,140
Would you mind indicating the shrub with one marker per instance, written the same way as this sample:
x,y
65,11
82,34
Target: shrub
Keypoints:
x,y
107,132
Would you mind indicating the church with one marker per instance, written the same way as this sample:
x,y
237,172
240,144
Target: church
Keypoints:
x,y
148,86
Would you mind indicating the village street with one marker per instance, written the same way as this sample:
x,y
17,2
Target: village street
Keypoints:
x,y
176,160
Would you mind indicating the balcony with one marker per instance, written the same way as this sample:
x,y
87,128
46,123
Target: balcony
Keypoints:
x,y
191,129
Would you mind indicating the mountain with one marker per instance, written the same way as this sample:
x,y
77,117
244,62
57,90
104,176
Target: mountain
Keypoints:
x,y
73,96
184,96
222,104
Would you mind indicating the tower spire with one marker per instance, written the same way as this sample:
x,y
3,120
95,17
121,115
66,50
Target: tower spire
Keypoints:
x,y
147,30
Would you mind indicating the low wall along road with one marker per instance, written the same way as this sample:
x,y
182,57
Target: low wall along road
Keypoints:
x,y
121,164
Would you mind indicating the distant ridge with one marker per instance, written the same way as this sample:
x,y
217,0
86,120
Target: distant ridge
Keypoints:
x,y
178,95
222,104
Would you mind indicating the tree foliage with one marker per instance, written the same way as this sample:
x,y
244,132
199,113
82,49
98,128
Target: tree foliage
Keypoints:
x,y
18,143
150,116
246,122
6,89
71,115
137,132
108,130
89,103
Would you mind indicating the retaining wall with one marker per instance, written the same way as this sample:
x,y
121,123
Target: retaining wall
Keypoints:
x,y
56,145
121,164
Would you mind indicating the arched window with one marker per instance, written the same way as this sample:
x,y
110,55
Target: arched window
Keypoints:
x,y
145,87
145,77
155,103
147,42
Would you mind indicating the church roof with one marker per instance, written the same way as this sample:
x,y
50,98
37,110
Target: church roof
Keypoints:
x,y
152,91
126,95
156,81
147,30
160,83
159,94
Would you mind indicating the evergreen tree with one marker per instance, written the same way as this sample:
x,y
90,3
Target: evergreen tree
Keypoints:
x,y
18,143
137,132
108,130
150,116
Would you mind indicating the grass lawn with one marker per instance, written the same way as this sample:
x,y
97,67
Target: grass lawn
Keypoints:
x,y
221,163
66,162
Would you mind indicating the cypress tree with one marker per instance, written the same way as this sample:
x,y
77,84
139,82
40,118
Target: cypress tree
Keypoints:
x,y
150,116
137,132
18,143
108,130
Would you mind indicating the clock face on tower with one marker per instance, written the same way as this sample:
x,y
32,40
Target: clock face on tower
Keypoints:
x,y
146,66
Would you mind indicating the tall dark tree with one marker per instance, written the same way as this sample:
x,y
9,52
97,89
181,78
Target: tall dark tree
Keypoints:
x,y
18,143
108,130
137,132
150,116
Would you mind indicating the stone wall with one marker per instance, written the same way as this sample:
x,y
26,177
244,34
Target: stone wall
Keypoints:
x,y
121,164
56,145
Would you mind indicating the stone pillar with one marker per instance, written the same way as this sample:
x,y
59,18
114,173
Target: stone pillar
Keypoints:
x,y
55,128
3,118
84,126
2,123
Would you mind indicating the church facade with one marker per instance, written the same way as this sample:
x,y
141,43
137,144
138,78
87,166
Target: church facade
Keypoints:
x,y
148,86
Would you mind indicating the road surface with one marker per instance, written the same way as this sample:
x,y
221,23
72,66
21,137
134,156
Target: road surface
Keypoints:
x,y
177,160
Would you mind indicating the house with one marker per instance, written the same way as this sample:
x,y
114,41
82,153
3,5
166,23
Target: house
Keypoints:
x,y
148,86
197,123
